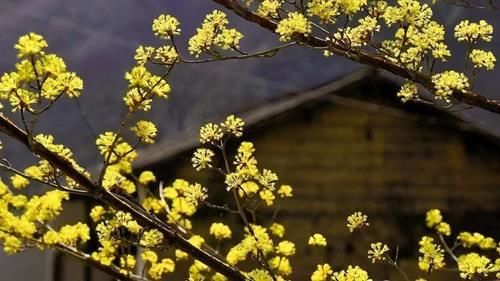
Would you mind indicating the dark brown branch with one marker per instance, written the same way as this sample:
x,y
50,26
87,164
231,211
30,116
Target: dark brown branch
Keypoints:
x,y
363,57
145,219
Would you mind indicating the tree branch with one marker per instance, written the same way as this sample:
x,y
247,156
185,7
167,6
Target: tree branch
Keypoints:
x,y
363,57
145,219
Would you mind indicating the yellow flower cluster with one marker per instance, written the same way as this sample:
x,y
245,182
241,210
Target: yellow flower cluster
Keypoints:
x,y
143,86
475,239
473,265
351,274
147,177
295,23
97,213
127,264
151,238
202,158
157,269
39,79
145,131
377,252
184,199
322,272
447,82
410,12
120,155
220,231
165,26
269,8
30,44
357,221
483,59
432,257
69,235
472,32
359,35
417,37
325,10
214,33
22,220
409,91
317,239
434,220
260,240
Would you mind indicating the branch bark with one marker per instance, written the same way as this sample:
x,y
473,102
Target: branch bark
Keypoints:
x,y
144,218
363,57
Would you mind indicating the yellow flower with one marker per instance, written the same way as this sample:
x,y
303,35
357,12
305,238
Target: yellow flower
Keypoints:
x,y
158,269
220,231
322,272
214,31
70,84
166,54
268,179
211,133
127,262
433,218
472,32
143,54
233,126
96,213
269,8
228,38
443,228
285,191
447,82
295,23
325,10
145,131
267,196
11,244
317,240
277,229
233,180
469,240
473,265
149,256
30,44
138,77
408,11
351,274
408,91
202,158
165,26
357,220
19,181
281,265
259,275
248,188
432,257
286,248
8,83
151,238
377,252
483,59
351,7
147,177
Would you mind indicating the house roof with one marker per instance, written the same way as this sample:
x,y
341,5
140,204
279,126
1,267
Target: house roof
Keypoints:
x,y
326,93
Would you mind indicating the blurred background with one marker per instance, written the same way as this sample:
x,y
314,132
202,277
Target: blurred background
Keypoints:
x,y
374,151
